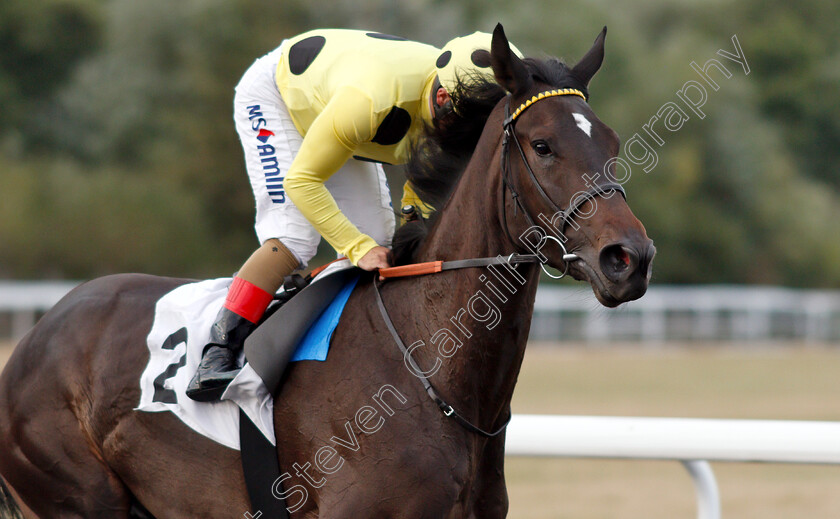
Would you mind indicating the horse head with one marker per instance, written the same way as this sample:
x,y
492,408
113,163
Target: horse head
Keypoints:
x,y
561,199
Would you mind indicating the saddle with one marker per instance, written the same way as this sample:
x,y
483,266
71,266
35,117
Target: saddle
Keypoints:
x,y
268,350
270,346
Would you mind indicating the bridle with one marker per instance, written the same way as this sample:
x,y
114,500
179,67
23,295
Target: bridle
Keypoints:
x,y
438,266
509,126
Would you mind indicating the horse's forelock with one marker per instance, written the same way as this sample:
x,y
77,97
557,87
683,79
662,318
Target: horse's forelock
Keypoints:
x,y
554,73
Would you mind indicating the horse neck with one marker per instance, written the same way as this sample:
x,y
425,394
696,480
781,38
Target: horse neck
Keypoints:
x,y
469,225
480,376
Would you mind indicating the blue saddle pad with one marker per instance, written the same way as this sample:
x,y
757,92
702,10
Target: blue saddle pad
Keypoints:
x,y
316,342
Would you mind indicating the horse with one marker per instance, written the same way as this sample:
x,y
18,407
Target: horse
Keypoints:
x,y
357,434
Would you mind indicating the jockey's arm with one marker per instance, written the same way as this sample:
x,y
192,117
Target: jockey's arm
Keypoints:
x,y
345,122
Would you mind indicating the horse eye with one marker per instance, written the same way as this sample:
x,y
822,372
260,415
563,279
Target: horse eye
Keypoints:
x,y
542,148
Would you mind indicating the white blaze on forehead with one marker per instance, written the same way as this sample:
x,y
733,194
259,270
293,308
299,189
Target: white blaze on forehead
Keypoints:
x,y
583,123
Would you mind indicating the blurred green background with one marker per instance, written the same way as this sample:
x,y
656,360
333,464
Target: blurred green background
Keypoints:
x,y
118,151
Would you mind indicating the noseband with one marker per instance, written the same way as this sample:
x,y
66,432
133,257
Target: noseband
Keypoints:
x,y
567,215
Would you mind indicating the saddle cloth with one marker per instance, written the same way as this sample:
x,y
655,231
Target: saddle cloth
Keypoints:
x,y
181,329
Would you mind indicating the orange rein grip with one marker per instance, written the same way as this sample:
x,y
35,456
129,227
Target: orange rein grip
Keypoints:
x,y
323,267
415,269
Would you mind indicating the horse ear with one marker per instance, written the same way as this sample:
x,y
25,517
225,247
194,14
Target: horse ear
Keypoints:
x,y
591,62
509,70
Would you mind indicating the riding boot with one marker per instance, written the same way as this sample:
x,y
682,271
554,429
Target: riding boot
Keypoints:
x,y
219,365
249,295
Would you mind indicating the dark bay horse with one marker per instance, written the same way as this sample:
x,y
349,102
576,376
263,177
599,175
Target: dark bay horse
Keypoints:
x,y
357,433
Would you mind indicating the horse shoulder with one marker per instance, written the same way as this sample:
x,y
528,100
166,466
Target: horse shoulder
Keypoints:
x,y
392,443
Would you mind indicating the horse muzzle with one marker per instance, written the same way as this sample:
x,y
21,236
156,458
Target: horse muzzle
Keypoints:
x,y
619,272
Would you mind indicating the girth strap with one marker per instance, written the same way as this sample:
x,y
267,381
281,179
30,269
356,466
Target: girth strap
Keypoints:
x,y
447,409
262,471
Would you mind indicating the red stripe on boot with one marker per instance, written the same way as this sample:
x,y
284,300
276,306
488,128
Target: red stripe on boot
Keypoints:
x,y
247,299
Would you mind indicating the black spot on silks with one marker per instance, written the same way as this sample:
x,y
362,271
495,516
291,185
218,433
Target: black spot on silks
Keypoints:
x,y
443,59
304,52
480,58
393,128
382,36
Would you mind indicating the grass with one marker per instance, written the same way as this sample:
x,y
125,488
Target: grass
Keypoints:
x,y
791,382
768,382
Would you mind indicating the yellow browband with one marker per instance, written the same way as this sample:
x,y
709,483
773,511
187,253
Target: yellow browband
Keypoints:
x,y
543,95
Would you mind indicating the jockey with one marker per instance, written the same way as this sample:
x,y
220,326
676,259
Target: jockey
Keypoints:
x,y
317,118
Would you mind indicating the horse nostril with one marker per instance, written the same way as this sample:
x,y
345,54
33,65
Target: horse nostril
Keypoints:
x,y
618,262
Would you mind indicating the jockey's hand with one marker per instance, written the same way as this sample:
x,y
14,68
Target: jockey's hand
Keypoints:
x,y
376,258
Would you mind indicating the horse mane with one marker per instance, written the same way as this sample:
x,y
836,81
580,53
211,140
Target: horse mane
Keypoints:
x,y
440,155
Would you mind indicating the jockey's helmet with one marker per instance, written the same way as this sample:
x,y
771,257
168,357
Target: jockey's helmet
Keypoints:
x,y
464,57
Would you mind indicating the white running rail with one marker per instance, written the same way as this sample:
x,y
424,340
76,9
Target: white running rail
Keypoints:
x,y
666,313
26,300
692,441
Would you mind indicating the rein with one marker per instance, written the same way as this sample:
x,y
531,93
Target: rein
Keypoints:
x,y
434,267
447,409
